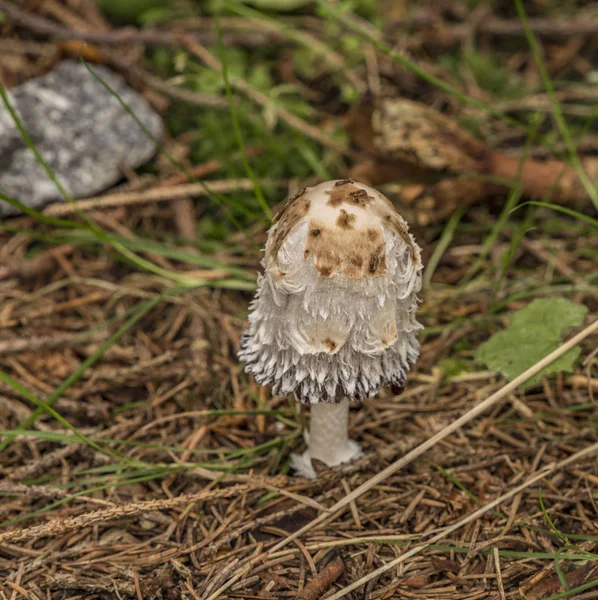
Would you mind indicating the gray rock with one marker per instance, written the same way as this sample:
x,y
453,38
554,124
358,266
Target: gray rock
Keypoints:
x,y
81,130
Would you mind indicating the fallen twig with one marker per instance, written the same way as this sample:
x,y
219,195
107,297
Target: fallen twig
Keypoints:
x,y
322,581
36,266
491,25
454,426
340,506
65,340
548,470
130,35
159,194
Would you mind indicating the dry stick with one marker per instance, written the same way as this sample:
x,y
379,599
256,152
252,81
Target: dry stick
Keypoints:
x,y
259,31
15,346
501,587
410,456
556,27
548,470
502,27
158,194
299,498
176,92
128,35
322,581
34,266
425,446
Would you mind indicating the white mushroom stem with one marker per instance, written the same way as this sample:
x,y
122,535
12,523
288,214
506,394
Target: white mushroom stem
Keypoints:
x,y
329,433
328,439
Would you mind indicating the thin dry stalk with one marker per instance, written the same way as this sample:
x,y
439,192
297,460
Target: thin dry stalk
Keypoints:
x,y
548,470
466,418
159,194
65,340
59,526
339,507
501,587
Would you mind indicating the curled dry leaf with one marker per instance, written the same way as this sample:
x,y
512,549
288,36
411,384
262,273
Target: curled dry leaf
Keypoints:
x,y
403,139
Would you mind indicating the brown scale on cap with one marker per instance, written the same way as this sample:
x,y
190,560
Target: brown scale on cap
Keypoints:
x,y
360,198
353,251
346,220
345,232
346,192
330,344
377,262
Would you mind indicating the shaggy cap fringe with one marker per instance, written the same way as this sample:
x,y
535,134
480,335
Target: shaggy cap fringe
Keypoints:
x,y
334,314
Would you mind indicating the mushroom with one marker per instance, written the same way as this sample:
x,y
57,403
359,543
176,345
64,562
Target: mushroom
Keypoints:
x,y
333,319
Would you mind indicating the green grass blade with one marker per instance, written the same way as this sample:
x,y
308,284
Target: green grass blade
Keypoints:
x,y
142,310
512,201
556,107
139,244
42,162
562,209
340,16
574,591
31,145
140,262
549,520
44,406
442,245
159,146
40,216
465,490
237,129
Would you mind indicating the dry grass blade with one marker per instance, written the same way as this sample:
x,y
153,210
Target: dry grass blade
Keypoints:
x,y
186,493
159,194
549,470
501,587
466,418
422,448
60,525
12,347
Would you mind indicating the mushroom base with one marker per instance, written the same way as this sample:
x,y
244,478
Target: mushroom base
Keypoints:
x,y
328,439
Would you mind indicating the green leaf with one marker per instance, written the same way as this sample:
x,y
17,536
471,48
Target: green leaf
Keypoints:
x,y
534,332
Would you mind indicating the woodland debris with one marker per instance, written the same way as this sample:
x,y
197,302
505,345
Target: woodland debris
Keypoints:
x,y
322,581
406,139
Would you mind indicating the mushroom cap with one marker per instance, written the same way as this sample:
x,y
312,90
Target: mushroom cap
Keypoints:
x,y
334,314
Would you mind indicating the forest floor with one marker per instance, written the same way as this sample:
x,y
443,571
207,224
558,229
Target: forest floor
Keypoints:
x,y
137,460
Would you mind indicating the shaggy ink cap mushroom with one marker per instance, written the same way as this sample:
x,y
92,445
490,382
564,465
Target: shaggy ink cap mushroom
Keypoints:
x,y
333,319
